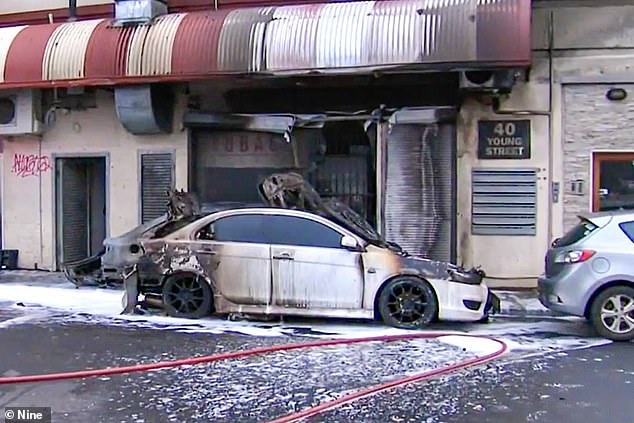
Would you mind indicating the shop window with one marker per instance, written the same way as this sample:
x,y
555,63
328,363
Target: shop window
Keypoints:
x,y
157,178
503,201
613,181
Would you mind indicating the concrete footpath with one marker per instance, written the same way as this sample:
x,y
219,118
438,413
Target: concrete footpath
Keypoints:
x,y
521,303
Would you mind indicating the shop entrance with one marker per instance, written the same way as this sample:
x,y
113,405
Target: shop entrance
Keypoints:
x,y
80,193
346,170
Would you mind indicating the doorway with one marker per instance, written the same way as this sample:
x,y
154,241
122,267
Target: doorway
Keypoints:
x,y
80,191
612,181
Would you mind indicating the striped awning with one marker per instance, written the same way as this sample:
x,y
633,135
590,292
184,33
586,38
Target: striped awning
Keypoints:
x,y
349,37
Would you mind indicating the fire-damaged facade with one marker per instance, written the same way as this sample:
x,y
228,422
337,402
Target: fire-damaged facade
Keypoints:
x,y
397,108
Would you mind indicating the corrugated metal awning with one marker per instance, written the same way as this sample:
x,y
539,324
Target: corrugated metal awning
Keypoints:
x,y
350,37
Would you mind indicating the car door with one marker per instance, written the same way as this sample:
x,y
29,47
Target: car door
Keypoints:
x,y
238,258
310,267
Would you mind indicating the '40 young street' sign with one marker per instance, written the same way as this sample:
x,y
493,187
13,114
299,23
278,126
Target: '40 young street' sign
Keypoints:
x,y
504,139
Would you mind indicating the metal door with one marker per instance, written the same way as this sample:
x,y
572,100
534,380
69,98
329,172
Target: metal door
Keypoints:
x,y
419,193
72,210
310,268
316,278
238,262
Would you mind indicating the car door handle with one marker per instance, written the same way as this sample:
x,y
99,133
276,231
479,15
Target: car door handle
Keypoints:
x,y
283,256
207,251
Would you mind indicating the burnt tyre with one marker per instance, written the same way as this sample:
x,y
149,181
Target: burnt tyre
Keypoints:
x,y
188,296
612,313
408,303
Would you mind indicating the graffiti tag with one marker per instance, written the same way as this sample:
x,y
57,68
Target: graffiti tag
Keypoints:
x,y
30,165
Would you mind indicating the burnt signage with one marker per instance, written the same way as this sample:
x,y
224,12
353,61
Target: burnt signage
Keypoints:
x,y
504,139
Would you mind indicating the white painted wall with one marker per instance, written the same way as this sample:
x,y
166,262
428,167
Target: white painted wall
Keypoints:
x,y
600,50
29,197
506,256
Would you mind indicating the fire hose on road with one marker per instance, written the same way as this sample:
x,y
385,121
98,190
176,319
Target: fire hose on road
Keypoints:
x,y
308,412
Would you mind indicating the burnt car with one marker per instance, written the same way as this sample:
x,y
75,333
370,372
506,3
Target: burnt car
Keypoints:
x,y
301,255
119,256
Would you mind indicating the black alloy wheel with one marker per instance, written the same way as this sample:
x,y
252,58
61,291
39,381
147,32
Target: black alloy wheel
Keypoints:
x,y
408,303
187,295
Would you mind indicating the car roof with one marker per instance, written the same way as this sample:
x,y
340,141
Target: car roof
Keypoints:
x,y
605,216
266,210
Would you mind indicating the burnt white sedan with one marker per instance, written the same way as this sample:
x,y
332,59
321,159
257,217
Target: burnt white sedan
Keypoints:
x,y
274,261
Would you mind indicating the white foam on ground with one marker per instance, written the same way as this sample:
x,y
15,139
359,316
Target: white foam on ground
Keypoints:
x,y
478,346
102,306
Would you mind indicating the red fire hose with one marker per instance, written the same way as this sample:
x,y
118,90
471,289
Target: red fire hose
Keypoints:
x,y
329,405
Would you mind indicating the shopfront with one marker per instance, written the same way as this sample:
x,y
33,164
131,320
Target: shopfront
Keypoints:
x,y
363,98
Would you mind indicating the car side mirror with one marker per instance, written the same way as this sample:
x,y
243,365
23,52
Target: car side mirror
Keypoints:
x,y
349,242
554,243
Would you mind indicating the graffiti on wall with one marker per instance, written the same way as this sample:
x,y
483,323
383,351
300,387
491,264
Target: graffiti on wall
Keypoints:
x,y
30,164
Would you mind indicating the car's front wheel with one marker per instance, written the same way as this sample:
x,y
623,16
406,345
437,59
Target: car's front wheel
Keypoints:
x,y
187,295
612,313
408,303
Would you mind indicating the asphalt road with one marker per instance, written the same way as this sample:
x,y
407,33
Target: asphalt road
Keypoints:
x,y
588,385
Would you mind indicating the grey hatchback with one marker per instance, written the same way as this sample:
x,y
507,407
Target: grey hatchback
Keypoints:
x,y
590,272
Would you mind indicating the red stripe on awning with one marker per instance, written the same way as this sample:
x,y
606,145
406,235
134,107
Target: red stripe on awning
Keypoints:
x,y
195,49
107,52
26,54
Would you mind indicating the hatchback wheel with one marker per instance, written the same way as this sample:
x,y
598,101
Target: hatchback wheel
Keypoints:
x,y
187,296
408,303
612,313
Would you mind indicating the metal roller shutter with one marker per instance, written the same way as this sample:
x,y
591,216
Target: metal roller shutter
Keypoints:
x,y
157,178
74,213
419,191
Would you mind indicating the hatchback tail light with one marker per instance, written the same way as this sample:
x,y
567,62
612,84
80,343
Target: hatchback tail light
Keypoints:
x,y
574,256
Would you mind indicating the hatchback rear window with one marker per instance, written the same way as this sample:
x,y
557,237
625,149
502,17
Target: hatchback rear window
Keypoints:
x,y
576,234
628,229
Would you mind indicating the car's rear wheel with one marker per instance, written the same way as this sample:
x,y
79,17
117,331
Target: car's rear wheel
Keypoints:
x,y
187,295
612,313
408,303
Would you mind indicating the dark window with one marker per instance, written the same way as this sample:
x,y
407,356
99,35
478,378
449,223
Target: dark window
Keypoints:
x,y
289,230
576,234
628,228
241,228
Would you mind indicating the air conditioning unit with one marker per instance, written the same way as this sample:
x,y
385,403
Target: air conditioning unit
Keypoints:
x,y
20,112
492,82
138,12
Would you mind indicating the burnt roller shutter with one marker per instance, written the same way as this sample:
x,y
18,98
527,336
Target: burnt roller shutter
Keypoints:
x,y
157,178
74,210
419,190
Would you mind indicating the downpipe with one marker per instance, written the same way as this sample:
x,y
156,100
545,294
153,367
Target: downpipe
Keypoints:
x,y
308,412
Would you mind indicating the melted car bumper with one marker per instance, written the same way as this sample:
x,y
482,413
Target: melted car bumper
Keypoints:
x,y
464,302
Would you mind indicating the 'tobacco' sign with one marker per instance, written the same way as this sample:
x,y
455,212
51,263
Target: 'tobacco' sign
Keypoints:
x,y
504,139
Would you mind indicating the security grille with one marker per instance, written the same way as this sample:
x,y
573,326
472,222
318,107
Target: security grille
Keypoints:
x,y
504,201
157,178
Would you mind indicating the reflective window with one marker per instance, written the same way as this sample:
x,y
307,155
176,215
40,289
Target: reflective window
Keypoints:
x,y
628,228
613,181
289,230
241,228
272,229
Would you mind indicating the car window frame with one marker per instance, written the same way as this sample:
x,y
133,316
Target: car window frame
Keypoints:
x,y
212,218
226,216
329,227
